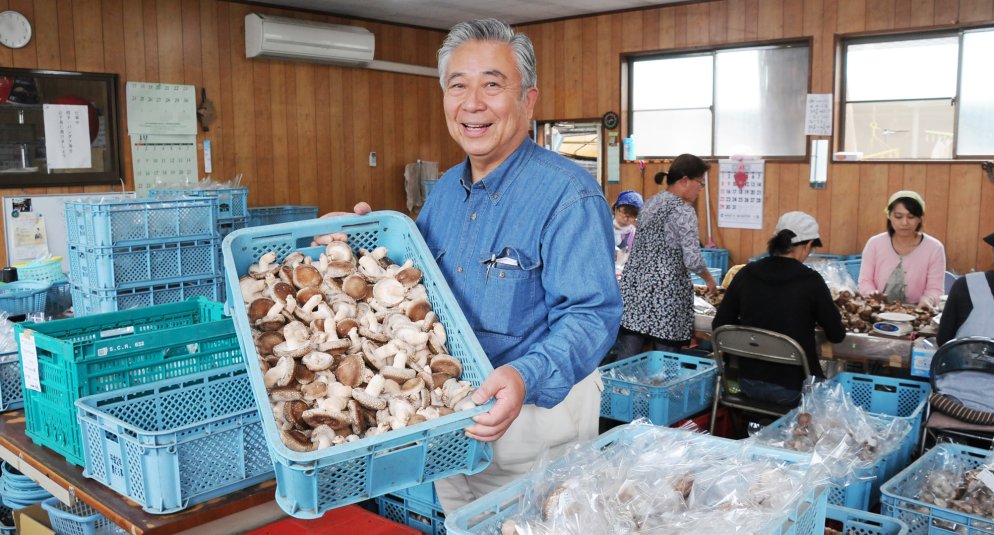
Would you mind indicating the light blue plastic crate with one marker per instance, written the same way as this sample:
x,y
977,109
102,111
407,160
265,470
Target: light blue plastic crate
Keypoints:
x,y
11,396
23,297
59,298
853,266
86,302
47,271
176,443
78,519
128,221
424,492
118,268
855,522
426,517
274,215
899,494
485,515
230,225
865,493
232,202
308,484
697,280
688,388
716,258
889,396
824,257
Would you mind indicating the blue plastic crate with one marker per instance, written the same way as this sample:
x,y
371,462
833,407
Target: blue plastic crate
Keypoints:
x,y
128,221
78,519
899,501
110,268
47,271
274,215
697,280
11,397
824,257
485,515
716,258
175,443
688,388
86,302
863,523
426,517
865,493
230,225
308,484
853,266
59,298
232,202
903,398
23,297
424,492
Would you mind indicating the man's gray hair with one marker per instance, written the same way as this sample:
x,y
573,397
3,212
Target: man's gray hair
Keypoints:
x,y
491,30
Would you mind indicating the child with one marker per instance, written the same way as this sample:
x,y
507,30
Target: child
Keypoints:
x,y
626,210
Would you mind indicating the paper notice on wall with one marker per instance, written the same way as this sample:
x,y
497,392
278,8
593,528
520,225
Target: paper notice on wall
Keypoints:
x,y
740,194
29,236
29,361
161,109
818,118
67,136
163,159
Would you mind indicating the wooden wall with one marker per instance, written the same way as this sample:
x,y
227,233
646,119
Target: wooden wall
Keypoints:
x,y
298,133
579,66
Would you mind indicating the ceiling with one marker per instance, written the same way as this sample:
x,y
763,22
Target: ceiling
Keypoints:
x,y
443,14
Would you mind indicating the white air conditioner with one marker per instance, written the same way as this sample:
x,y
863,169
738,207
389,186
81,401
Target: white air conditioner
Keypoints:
x,y
304,40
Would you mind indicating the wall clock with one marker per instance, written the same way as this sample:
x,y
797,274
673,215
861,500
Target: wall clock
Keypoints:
x,y
15,29
610,120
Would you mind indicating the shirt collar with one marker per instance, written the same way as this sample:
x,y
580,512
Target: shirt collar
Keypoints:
x,y
501,178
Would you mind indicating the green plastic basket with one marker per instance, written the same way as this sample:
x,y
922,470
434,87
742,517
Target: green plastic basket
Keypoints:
x,y
94,354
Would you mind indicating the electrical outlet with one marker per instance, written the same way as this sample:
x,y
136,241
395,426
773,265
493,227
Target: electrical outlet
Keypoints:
x,y
372,159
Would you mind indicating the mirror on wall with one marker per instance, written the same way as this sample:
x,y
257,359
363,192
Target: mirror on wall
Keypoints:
x,y
58,129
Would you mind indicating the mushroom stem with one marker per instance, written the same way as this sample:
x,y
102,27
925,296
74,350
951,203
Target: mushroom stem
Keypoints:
x,y
400,360
375,386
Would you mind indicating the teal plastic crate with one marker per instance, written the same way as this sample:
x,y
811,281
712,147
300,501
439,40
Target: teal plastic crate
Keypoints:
x,y
899,500
232,202
688,388
485,515
715,272
716,258
426,517
78,519
308,484
23,297
274,215
83,356
41,271
853,522
87,302
176,443
119,268
11,397
125,221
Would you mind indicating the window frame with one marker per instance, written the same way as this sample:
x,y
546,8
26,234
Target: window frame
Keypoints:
x,y
877,37
628,60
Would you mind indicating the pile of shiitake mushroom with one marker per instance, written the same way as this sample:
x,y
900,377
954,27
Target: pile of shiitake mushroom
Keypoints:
x,y
860,313
349,346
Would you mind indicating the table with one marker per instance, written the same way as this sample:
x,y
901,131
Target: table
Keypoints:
x,y
66,482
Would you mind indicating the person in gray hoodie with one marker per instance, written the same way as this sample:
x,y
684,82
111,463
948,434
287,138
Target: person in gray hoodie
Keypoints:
x,y
779,293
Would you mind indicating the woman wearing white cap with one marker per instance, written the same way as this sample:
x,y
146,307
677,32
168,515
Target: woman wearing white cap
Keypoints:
x,y
779,293
904,264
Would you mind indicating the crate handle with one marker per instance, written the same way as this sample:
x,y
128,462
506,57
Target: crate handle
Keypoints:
x,y
885,388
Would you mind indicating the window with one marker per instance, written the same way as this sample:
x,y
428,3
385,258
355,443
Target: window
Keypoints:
x,y
720,102
919,97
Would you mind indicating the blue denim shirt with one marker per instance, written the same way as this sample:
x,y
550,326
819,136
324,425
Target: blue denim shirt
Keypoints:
x,y
529,254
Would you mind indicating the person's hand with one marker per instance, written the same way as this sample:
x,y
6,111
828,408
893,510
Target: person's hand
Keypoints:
x,y
925,303
709,281
361,208
506,385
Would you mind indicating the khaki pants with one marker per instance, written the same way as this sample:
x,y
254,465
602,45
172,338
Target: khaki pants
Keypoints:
x,y
533,431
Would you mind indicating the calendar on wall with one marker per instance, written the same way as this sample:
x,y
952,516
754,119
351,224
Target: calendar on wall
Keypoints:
x,y
740,194
162,160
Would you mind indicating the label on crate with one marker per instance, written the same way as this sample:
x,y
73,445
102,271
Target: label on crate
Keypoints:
x,y
986,478
115,462
29,361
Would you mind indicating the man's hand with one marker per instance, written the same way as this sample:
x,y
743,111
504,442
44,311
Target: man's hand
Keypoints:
x,y
361,208
507,386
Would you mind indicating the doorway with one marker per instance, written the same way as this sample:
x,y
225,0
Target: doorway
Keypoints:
x,y
579,141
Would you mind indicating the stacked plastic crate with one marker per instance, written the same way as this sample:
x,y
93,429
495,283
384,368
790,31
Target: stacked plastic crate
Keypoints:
x,y
129,253
416,507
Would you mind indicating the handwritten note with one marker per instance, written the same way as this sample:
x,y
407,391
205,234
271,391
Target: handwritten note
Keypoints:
x,y
29,361
818,120
740,193
163,159
67,136
161,109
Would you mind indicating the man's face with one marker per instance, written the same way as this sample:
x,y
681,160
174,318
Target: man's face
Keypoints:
x,y
483,106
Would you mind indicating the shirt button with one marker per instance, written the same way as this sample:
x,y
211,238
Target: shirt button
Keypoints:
x,y
459,269
496,196
473,216
501,275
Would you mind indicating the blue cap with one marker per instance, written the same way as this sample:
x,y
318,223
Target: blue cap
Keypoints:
x,y
629,197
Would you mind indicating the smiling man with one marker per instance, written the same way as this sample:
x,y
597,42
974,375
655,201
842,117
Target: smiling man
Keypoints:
x,y
524,238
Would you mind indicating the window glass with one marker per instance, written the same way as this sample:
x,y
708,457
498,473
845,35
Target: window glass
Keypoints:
x,y
976,108
899,70
672,132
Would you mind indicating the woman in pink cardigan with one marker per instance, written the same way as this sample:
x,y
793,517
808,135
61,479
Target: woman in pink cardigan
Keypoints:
x,y
904,264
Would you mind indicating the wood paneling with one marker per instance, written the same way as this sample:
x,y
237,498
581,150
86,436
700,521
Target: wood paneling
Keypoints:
x,y
297,133
850,208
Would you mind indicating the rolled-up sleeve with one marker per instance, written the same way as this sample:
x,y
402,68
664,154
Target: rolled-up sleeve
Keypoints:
x,y
681,230
583,299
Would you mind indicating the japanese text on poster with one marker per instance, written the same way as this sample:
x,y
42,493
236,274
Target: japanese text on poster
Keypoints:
x,y
67,136
740,194
818,119
161,109
163,159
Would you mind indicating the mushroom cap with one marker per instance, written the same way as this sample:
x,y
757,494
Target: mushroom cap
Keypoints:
x,y
285,393
343,327
389,292
357,417
293,412
397,374
280,290
412,387
307,276
266,341
438,379
356,286
339,251
281,374
409,276
338,270
446,364
293,259
349,371
251,288
380,337
368,401
259,308
333,419
296,440
271,323
305,294
292,349
317,361
314,391
416,419
417,310
302,374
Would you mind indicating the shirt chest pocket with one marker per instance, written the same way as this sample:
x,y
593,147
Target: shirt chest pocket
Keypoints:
x,y
513,298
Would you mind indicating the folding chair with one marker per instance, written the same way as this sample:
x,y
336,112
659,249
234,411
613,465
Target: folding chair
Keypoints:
x,y
751,343
946,417
947,281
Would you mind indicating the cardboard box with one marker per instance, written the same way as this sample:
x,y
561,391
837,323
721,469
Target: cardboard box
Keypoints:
x,y
32,520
